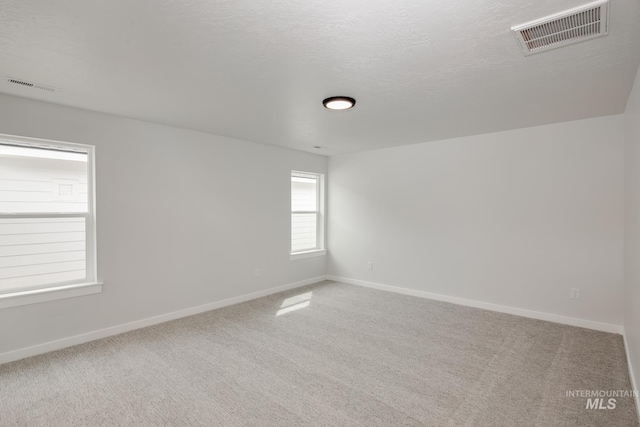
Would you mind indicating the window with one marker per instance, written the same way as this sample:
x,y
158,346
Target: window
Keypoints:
x,y
47,225
307,218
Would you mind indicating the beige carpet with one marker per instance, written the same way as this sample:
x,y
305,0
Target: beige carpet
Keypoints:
x,y
336,355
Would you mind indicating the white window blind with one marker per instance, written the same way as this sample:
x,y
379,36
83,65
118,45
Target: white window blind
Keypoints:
x,y
305,212
45,216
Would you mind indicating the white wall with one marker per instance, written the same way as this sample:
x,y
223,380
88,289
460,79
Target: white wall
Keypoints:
x,y
515,218
632,230
183,219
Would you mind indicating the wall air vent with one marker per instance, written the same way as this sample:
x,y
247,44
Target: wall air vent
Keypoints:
x,y
572,26
25,83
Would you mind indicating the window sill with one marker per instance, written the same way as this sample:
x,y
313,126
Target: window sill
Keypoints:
x,y
307,254
17,298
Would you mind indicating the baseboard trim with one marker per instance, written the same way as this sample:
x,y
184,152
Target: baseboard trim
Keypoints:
x,y
632,377
126,327
583,323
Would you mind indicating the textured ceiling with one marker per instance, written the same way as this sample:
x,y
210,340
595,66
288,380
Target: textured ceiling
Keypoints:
x,y
420,70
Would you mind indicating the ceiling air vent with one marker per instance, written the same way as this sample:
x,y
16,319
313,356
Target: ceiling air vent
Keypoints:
x,y
572,26
25,83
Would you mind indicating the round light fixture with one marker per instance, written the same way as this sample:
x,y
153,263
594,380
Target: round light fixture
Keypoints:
x,y
339,103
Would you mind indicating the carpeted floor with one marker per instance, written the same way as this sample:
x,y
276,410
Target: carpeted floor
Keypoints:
x,y
329,354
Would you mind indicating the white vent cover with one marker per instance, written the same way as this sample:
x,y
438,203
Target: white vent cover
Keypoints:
x,y
25,83
572,26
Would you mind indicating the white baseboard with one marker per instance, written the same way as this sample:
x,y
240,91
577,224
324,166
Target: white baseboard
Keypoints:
x,y
583,323
634,386
119,329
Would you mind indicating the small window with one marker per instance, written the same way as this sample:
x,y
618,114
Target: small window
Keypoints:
x,y
307,218
47,226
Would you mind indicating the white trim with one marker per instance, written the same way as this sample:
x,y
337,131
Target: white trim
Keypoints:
x,y
91,237
50,293
556,318
28,141
119,329
634,386
307,254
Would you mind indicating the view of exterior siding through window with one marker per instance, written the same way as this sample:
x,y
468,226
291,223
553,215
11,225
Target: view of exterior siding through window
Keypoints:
x,y
43,207
304,212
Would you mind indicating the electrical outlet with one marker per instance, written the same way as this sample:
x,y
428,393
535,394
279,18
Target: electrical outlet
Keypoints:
x,y
575,293
256,273
370,265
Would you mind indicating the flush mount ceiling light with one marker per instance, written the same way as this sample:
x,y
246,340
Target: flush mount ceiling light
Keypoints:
x,y
339,103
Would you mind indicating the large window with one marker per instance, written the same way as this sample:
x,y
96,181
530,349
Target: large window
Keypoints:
x,y
47,226
307,219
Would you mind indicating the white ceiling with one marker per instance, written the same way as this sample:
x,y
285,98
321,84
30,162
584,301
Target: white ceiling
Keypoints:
x,y
420,70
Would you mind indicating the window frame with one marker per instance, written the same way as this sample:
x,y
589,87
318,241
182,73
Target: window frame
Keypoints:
x,y
88,285
320,249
